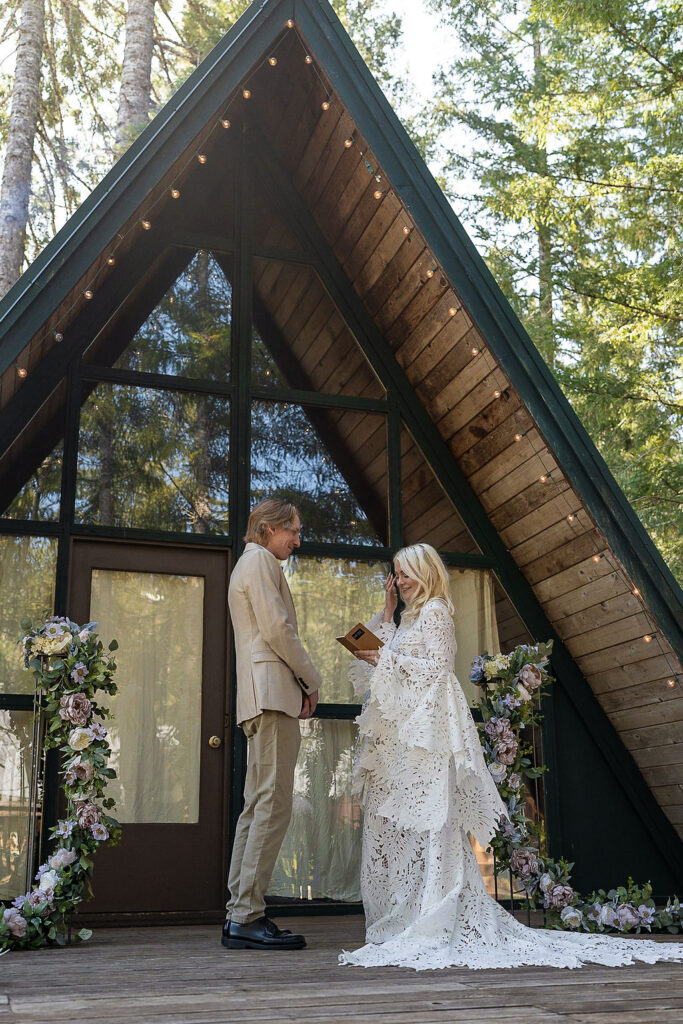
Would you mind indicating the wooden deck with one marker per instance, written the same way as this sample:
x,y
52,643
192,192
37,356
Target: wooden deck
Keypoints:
x,y
173,975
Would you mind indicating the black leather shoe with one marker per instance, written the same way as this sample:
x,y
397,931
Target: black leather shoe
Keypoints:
x,y
259,934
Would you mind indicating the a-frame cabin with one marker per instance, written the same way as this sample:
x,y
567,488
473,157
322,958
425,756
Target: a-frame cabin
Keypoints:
x,y
268,292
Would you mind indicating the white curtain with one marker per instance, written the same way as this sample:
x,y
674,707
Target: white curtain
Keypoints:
x,y
155,734
476,629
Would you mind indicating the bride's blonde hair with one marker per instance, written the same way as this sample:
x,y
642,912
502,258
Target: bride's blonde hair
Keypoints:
x,y
422,563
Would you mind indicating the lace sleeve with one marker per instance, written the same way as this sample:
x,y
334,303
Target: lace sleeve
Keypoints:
x,y
360,672
422,735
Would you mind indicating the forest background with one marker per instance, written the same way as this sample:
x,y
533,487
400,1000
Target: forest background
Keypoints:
x,y
555,128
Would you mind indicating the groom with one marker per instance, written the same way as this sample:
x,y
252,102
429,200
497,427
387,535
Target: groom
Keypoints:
x,y
277,683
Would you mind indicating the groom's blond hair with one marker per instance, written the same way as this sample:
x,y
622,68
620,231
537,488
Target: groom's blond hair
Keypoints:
x,y
422,563
271,512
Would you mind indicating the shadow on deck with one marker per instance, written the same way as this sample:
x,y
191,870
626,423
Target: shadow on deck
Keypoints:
x,y
182,975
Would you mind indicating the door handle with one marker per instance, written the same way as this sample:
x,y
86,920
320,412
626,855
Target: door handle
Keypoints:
x,y
215,742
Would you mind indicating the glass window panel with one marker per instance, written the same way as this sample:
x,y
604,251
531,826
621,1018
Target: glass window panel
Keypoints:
x,y
331,463
40,496
155,732
154,459
429,517
27,586
330,596
31,468
300,338
189,332
16,802
320,855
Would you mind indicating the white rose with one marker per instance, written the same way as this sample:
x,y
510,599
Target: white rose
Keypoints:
x,y
63,858
79,738
498,772
608,916
84,634
545,882
523,692
572,916
48,880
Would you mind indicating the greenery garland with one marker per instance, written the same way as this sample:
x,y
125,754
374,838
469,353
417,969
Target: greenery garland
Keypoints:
x,y
512,685
70,667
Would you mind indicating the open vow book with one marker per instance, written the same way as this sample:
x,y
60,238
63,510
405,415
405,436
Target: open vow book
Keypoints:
x,y
359,638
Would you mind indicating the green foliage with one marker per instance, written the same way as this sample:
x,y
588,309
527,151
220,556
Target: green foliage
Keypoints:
x,y
575,112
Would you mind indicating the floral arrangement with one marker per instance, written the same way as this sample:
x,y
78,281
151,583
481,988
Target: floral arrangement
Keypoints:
x,y
70,667
512,685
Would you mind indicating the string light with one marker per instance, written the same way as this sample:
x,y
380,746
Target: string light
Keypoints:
x,y
348,143
88,293
175,193
111,259
544,477
598,556
378,193
226,122
671,683
289,23
635,592
571,517
246,93
648,638
325,105
146,225
22,371
497,393
474,350
453,310
518,436
272,61
308,58
430,273
201,158
58,337
406,229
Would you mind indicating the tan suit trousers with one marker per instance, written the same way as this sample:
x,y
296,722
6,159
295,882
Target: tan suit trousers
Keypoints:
x,y
273,741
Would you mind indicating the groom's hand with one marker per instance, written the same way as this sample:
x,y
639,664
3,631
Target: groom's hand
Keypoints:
x,y
309,704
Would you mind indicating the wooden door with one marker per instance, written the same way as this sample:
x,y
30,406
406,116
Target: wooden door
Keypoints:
x,y
167,607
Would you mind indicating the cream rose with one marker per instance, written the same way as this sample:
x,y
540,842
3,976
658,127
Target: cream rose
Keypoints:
x,y
79,738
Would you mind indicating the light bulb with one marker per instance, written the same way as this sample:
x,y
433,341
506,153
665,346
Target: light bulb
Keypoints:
x,y
246,93
290,23
272,61
348,143
497,393
175,193
201,157
571,517
225,121
111,259
475,350
378,193
87,294
596,558
543,478
518,437
146,224
430,273
671,683
452,311
325,104
406,229
648,638
58,336
22,371
308,58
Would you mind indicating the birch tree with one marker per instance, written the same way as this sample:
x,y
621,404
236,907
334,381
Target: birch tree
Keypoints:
x,y
16,179
136,72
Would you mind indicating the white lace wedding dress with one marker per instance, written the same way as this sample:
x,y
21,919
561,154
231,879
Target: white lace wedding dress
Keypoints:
x,y
421,775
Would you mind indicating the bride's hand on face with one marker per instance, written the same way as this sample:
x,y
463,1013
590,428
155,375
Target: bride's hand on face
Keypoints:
x,y
390,597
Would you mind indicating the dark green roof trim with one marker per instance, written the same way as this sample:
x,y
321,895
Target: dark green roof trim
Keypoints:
x,y
493,315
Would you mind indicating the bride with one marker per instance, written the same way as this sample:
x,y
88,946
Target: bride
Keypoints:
x,y
425,787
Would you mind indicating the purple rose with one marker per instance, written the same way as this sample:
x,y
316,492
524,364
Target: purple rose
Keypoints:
x,y
75,708
627,917
523,863
16,923
531,677
558,896
87,814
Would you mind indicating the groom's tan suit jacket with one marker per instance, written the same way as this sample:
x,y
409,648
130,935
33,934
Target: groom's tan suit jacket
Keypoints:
x,y
273,668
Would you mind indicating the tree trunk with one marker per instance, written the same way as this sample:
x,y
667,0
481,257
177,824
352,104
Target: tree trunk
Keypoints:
x,y
16,178
136,72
